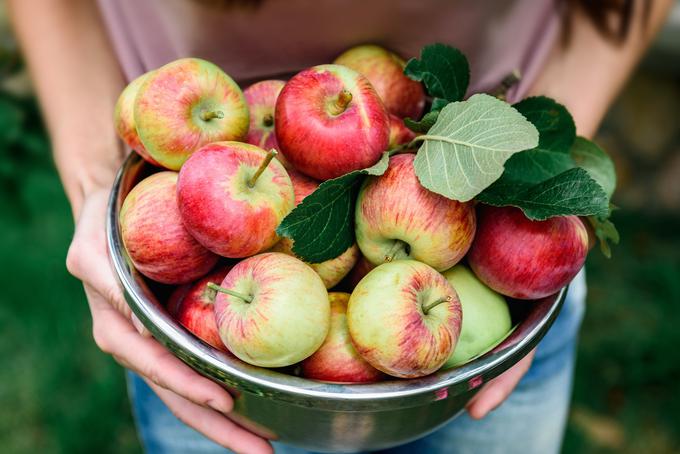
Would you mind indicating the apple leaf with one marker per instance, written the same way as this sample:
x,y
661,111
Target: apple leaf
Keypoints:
x,y
443,69
556,135
598,164
425,123
464,152
322,225
572,192
605,231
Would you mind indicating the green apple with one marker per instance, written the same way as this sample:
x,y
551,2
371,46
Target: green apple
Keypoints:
x,y
486,317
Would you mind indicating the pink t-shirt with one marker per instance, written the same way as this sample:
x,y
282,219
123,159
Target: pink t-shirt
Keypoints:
x,y
280,37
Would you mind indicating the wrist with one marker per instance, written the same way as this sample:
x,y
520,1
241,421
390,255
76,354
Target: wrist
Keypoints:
x,y
85,173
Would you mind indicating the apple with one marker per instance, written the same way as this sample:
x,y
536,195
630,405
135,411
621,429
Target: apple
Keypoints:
x,y
261,99
154,236
333,270
192,305
184,105
402,96
232,196
330,121
337,360
399,133
124,119
486,316
526,259
404,318
272,310
397,218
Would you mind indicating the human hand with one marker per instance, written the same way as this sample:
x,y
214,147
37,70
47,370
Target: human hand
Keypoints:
x,y
497,390
197,401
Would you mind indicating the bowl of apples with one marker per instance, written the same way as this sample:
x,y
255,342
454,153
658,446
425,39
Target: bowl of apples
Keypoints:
x,y
293,242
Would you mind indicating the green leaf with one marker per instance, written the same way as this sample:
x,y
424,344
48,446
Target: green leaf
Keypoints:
x,y
464,152
321,226
598,164
605,231
443,69
556,135
424,125
572,192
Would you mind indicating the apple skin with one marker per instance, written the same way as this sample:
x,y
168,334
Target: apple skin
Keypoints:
x,y
219,208
192,305
322,132
402,96
486,316
124,119
399,133
387,323
261,99
337,360
526,259
331,271
170,105
154,236
397,218
288,318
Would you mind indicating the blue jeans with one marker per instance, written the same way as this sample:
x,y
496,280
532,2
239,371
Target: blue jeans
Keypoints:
x,y
531,420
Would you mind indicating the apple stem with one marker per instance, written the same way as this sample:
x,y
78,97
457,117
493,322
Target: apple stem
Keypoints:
x,y
341,103
396,248
217,288
208,115
268,120
443,299
265,162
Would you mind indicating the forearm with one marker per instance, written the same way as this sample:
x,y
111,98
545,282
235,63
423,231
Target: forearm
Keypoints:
x,y
77,80
588,73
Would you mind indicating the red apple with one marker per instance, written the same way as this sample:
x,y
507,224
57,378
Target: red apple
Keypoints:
x,y
330,121
333,270
184,105
337,360
399,133
404,318
527,259
385,70
261,98
232,196
397,218
154,236
124,119
272,310
193,306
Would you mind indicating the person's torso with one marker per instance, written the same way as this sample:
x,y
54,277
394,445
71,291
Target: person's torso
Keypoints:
x,y
270,38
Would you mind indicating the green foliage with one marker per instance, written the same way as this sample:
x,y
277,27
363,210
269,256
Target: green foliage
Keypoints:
x,y
54,381
572,192
322,226
464,152
556,135
588,155
444,70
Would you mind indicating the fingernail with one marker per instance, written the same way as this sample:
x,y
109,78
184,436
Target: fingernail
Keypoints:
x,y
222,408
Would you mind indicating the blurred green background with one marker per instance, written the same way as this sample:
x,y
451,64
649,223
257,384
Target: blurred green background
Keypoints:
x,y
59,394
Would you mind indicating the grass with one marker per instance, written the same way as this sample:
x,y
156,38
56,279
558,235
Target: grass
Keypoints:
x,y
58,393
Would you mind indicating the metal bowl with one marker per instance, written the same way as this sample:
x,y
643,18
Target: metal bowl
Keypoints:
x,y
310,414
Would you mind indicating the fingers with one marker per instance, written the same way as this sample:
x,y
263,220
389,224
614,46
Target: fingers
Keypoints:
x,y
116,335
87,257
212,424
497,390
